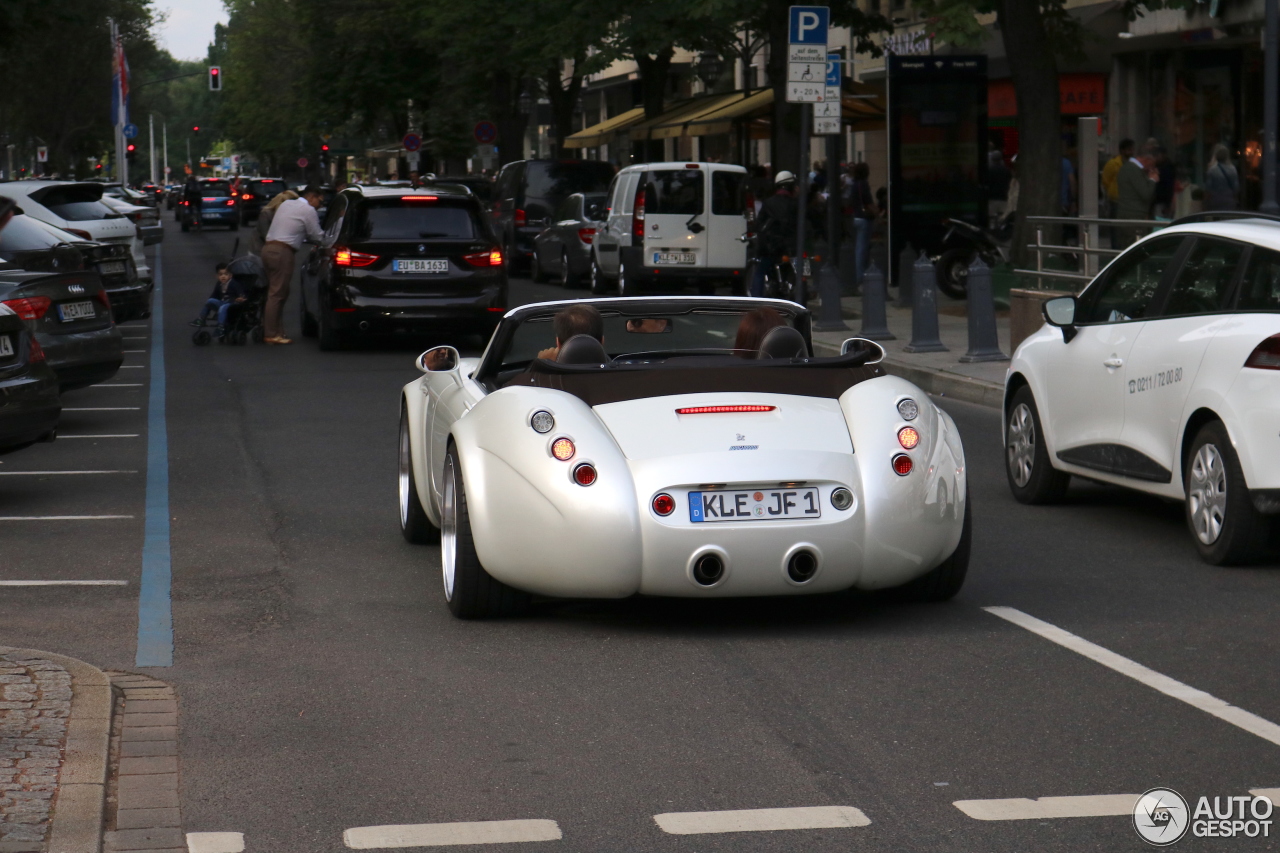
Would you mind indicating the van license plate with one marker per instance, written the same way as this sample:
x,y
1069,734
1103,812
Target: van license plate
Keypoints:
x,y
6,346
69,311
754,505
663,258
111,267
419,265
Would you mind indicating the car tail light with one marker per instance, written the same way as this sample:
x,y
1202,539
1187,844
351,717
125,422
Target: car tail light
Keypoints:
x,y
520,218
1266,355
231,202
562,449
664,504
721,410
496,309
584,474
637,216
246,196
419,198
750,212
102,299
908,437
491,258
586,235
30,307
76,231
902,465
34,351
184,203
348,258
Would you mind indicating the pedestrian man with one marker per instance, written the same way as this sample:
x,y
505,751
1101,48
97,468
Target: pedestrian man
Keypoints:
x,y
1136,182
775,229
864,217
1221,181
295,222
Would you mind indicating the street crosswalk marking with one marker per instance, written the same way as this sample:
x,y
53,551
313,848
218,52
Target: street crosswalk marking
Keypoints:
x,y
449,834
761,820
215,842
1210,704
1104,805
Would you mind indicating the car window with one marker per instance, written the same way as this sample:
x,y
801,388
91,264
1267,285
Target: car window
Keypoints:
x,y
392,219
76,202
593,206
1205,278
568,209
1130,284
675,191
727,198
1260,290
215,189
615,187
629,193
333,219
268,189
553,181
25,234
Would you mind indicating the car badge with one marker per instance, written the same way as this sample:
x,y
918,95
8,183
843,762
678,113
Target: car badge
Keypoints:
x,y
422,248
75,288
739,436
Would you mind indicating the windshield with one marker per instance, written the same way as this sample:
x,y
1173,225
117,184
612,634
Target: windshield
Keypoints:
x,y
399,220
678,191
75,202
215,188
268,189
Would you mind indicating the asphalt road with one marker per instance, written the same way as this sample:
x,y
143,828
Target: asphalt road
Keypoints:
x,y
324,686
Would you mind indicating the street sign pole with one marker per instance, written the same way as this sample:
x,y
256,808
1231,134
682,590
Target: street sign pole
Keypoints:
x,y
1271,69
151,156
806,62
164,129
802,199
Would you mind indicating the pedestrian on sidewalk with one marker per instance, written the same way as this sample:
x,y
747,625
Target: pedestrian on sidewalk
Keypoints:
x,y
295,223
1221,181
864,218
1137,187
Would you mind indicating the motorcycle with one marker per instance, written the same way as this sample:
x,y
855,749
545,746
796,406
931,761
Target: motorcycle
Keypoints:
x,y
974,242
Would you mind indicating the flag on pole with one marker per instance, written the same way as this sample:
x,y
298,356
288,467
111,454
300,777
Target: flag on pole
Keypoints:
x,y
119,85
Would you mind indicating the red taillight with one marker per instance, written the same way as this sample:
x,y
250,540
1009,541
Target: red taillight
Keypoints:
x,y
30,307
492,258
908,437
184,203
902,464
418,198
34,352
637,216
82,234
497,309
348,258
231,201
584,474
562,449
102,299
720,410
246,196
751,207
521,219
586,235
1266,355
664,504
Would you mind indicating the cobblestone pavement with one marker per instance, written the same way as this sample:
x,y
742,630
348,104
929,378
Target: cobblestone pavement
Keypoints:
x,y
35,701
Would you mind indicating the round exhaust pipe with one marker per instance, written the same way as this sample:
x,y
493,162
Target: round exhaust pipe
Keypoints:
x,y
801,563
364,325
708,569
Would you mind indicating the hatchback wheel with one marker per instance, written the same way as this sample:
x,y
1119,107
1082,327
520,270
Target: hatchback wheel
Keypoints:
x,y
1032,477
598,286
1225,525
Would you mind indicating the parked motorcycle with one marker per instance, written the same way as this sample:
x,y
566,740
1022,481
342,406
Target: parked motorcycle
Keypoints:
x,y
966,242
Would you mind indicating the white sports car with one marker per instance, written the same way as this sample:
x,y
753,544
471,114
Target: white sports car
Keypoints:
x,y
661,460
1162,376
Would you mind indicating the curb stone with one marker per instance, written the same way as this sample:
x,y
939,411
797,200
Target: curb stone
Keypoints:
x,y
143,811
936,382
76,822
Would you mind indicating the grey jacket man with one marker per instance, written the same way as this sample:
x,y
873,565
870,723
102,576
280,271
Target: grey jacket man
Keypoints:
x,y
1136,192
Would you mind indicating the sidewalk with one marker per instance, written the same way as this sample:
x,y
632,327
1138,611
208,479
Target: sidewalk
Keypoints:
x,y
939,373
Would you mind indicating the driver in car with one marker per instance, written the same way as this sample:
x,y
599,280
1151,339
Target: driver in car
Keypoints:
x,y
574,320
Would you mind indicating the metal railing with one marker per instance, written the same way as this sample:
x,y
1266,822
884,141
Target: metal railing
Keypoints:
x,y
1089,249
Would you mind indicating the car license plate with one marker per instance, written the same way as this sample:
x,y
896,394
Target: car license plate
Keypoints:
x,y
674,258
111,267
6,346
69,311
419,265
754,505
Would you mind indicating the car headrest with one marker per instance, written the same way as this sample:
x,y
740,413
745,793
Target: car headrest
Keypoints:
x,y
582,349
783,342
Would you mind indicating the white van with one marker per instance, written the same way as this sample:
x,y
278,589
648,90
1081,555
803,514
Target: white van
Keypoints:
x,y
672,225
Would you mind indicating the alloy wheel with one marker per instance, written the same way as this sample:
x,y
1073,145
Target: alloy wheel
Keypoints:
x,y
449,529
1207,493
1021,445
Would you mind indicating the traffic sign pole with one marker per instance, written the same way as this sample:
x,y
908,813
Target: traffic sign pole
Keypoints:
x,y
806,84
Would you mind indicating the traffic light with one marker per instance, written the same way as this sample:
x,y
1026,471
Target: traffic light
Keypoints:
x,y
97,168
215,78
131,151
195,129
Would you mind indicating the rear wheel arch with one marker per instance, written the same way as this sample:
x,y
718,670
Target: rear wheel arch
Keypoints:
x,y
1190,430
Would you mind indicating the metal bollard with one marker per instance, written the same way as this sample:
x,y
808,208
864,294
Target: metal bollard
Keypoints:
x,y
905,260
875,326
830,318
848,271
924,310
984,339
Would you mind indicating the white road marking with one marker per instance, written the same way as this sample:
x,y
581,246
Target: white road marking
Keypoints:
x,y
60,517
121,435
446,834
117,385
43,473
132,351
215,842
1272,794
761,820
132,366
106,409
1103,805
1239,717
64,583
133,338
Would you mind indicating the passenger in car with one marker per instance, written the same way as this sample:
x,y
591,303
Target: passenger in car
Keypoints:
x,y
574,320
752,329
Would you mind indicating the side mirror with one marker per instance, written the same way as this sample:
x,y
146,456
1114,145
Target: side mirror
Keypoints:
x,y
863,345
1061,312
438,360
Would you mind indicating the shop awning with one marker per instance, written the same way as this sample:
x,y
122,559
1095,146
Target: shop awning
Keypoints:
x,y
675,115
683,124
599,134
720,118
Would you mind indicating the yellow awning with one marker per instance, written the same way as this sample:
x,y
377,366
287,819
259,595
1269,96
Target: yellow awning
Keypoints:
x,y
672,125
721,118
599,134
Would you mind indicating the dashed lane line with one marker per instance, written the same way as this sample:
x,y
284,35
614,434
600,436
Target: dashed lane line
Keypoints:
x,y
1210,704
761,820
1103,805
64,583
50,473
62,517
449,834
215,842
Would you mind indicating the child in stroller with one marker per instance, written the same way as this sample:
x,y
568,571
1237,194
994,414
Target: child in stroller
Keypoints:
x,y
240,316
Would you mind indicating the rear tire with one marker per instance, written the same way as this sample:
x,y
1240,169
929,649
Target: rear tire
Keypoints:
x,y
536,272
943,582
625,285
597,284
414,524
953,272
472,592
1225,526
567,279
1032,477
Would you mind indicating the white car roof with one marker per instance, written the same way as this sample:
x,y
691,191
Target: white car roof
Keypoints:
x,y
1260,232
684,164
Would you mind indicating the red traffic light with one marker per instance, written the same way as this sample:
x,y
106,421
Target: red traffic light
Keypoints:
x,y
324,147
98,168
131,148
195,129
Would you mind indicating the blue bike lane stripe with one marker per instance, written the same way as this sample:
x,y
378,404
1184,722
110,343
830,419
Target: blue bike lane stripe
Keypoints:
x,y
155,610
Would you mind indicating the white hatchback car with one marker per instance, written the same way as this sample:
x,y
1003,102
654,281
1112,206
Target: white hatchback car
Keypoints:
x,y
1163,375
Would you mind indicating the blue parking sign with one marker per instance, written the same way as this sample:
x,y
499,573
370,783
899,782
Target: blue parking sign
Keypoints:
x,y
809,24
833,69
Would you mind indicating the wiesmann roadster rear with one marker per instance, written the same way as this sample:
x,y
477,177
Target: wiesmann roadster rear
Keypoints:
x,y
660,460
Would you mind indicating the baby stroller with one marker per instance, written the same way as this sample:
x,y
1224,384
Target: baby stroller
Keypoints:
x,y
244,320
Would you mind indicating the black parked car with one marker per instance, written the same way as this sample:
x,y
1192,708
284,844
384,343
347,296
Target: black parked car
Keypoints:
x,y
35,246
527,192
564,247
480,186
71,317
29,402
254,195
403,259
217,207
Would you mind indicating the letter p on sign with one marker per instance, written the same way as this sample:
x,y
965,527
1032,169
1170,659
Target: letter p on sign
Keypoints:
x,y
809,24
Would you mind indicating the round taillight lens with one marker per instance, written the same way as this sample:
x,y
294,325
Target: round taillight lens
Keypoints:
x,y
908,437
841,498
902,465
908,409
542,422
562,449
584,474
664,504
